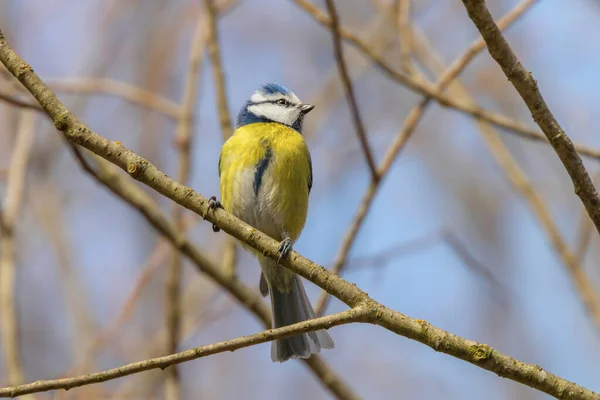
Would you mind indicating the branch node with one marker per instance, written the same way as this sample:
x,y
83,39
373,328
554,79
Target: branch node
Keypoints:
x,y
481,353
61,121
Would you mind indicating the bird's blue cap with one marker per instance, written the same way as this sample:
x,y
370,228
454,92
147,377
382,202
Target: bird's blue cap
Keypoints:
x,y
273,88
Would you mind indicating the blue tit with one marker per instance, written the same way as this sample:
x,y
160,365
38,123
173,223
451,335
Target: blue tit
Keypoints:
x,y
265,176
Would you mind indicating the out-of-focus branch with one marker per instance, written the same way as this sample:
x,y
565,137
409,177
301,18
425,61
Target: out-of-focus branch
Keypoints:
x,y
217,69
329,93
230,246
14,101
527,87
584,237
518,179
126,91
183,140
357,314
356,119
410,124
15,188
142,170
426,89
405,32
247,297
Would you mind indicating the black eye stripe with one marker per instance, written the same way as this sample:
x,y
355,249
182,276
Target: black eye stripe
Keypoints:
x,y
287,104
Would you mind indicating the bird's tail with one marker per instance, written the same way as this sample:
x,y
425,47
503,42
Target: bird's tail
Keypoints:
x,y
290,308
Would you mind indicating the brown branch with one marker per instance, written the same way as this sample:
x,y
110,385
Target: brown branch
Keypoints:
x,y
410,124
357,314
426,89
518,179
13,101
329,93
140,169
586,228
15,189
217,69
405,33
247,297
356,119
229,251
183,140
527,87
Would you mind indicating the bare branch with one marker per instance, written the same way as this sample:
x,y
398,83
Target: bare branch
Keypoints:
x,y
410,124
354,315
10,212
229,250
126,91
217,69
140,169
405,32
183,140
424,88
358,123
527,87
13,101
521,183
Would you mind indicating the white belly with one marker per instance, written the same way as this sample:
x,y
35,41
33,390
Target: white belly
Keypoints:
x,y
259,210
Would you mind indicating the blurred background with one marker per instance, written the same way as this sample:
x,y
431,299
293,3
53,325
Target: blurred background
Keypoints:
x,y
448,239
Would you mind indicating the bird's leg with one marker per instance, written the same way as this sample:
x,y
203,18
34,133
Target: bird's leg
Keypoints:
x,y
213,204
284,248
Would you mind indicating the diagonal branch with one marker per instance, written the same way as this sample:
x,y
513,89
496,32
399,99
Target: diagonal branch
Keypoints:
x,y
424,88
354,315
480,355
521,183
247,297
356,119
410,124
527,87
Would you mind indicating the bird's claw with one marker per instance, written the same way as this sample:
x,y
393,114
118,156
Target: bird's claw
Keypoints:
x,y
213,204
284,248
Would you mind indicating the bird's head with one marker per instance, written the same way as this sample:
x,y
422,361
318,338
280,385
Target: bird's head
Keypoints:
x,y
274,103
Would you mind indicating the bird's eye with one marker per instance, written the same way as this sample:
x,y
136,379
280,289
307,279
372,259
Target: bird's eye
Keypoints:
x,y
283,102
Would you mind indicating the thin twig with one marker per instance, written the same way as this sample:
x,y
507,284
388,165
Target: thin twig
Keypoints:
x,y
217,69
356,119
183,140
13,101
354,315
410,124
586,229
13,202
426,89
126,91
329,91
142,170
518,179
527,87
405,32
247,297
230,246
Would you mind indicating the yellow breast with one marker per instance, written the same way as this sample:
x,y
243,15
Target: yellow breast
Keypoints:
x,y
265,174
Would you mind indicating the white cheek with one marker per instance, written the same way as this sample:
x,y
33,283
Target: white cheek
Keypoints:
x,y
286,116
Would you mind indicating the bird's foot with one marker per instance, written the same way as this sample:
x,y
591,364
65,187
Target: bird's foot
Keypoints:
x,y
213,204
284,248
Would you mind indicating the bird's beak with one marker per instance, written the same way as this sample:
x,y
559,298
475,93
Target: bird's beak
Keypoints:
x,y
306,108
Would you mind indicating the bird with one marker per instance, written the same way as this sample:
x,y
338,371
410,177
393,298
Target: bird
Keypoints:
x,y
265,174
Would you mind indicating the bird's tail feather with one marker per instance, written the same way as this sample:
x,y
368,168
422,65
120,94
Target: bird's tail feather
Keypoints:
x,y
290,308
